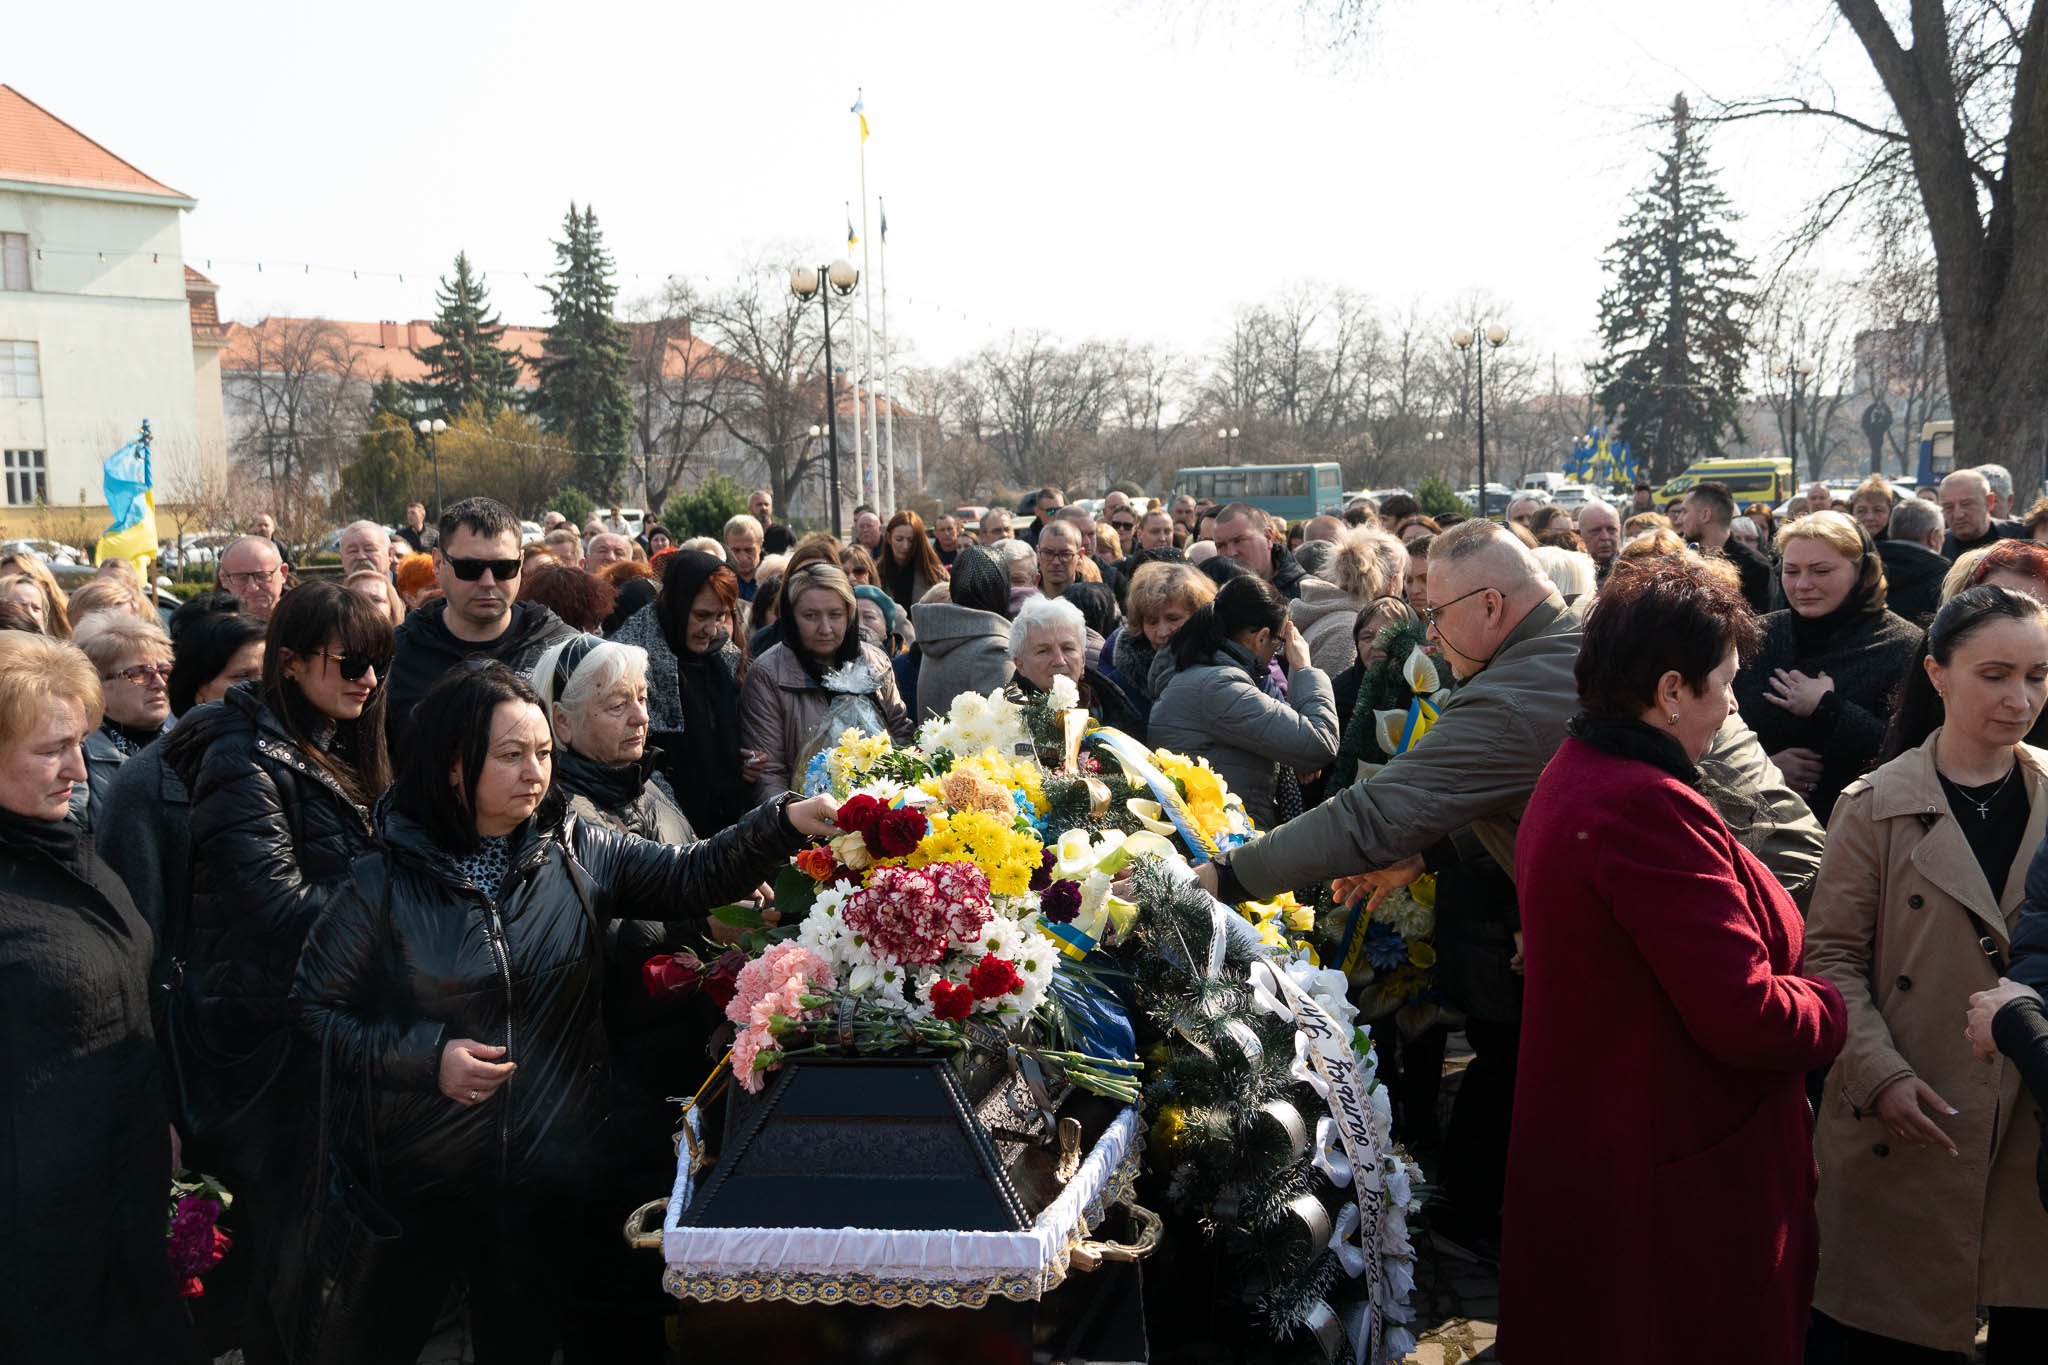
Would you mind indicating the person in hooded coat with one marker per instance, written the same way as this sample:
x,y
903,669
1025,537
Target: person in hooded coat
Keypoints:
x,y
695,668
965,643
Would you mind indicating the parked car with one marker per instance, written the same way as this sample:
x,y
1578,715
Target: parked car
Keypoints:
x,y
52,552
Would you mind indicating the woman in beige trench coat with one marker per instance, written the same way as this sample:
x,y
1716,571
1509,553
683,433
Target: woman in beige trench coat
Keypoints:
x,y
1927,1196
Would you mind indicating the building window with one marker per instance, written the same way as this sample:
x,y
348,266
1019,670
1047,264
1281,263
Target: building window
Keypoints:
x,y
28,481
13,260
19,377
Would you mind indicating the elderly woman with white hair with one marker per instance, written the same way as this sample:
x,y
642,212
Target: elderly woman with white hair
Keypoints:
x,y
1049,640
1571,572
595,693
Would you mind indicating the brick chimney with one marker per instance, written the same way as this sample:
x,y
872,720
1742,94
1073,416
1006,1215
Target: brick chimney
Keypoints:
x,y
387,335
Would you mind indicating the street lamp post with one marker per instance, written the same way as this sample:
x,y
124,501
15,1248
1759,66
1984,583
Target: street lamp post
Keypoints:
x,y
432,429
1794,369
1228,435
1496,337
805,281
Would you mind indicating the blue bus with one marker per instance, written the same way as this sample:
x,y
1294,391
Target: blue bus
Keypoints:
x,y
1293,491
1937,454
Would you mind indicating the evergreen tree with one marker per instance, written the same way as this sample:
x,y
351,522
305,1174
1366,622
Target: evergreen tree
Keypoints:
x,y
468,364
387,395
582,393
1672,322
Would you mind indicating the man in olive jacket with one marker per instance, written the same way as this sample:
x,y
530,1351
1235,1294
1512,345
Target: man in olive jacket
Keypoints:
x,y
1512,644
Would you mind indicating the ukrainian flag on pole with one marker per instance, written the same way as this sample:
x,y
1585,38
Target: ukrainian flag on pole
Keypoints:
x,y
859,110
131,535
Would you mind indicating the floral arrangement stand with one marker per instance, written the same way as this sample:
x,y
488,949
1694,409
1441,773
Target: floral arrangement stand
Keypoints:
x,y
883,1142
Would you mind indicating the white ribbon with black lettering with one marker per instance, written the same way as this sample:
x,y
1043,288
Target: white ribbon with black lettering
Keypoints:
x,y
1326,1049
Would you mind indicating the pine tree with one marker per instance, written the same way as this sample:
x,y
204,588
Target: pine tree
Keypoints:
x,y
468,364
1672,322
387,395
583,393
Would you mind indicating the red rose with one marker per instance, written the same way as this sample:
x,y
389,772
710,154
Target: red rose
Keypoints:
x,y
994,976
950,1001
721,980
859,814
897,833
671,974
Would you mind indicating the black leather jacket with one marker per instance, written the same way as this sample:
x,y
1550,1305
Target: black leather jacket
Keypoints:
x,y
273,839
413,955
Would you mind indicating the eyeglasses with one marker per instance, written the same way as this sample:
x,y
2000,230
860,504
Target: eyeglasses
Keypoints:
x,y
1056,556
142,674
1430,613
357,662
1124,527
249,580
470,570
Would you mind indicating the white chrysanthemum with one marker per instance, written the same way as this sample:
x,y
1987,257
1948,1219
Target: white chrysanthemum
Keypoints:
x,y
823,937
1065,696
1035,959
999,936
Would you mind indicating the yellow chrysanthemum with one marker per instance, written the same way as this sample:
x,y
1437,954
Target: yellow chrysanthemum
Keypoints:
x,y
989,842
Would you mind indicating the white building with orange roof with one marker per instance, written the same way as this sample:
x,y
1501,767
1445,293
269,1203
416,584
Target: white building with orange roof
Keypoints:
x,y
101,326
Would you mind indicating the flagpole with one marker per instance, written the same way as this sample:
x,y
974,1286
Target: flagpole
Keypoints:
x,y
889,413
884,477
856,372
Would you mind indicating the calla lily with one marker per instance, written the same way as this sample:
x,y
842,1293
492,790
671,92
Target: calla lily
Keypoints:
x,y
1387,728
1151,815
1420,673
1143,844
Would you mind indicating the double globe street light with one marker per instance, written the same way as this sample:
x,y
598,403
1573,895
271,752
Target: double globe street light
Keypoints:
x,y
431,428
1463,337
806,282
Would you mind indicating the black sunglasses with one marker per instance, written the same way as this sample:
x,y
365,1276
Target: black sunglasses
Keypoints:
x,y
470,570
357,662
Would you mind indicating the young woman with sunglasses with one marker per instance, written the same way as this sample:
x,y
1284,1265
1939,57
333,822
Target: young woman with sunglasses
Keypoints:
x,y
282,775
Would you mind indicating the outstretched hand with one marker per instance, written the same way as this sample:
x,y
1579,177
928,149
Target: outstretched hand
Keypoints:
x,y
814,816
1381,882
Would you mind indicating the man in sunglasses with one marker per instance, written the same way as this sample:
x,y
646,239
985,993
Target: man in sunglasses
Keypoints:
x,y
476,561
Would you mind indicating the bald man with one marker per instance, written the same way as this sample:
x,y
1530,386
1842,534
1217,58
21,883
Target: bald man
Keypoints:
x,y
1599,526
1966,507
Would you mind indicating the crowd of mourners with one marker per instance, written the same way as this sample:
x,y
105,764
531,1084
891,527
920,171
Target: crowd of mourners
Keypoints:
x,y
1733,819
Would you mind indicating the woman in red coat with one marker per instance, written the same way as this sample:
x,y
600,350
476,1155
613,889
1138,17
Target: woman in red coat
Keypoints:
x,y
1660,1173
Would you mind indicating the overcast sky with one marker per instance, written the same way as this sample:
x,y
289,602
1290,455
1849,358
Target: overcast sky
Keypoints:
x,y
1093,170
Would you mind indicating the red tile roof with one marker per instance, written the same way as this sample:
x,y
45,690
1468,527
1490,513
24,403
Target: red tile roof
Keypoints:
x,y
380,347
38,147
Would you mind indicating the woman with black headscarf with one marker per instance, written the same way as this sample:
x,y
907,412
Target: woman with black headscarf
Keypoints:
x,y
694,668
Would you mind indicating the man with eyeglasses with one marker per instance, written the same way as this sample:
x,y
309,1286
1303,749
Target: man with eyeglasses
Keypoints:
x,y
476,562
253,570
1059,557
1512,645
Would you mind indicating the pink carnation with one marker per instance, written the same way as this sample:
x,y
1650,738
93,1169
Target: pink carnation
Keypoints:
x,y
744,1049
786,965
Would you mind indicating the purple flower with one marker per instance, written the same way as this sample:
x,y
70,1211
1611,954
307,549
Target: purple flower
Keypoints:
x,y
191,1241
1060,902
1042,878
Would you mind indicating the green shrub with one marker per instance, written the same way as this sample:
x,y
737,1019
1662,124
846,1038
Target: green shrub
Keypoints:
x,y
1438,497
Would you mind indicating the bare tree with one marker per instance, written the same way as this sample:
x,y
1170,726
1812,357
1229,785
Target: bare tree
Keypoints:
x,y
680,386
1044,403
776,390
1804,321
293,395
1899,354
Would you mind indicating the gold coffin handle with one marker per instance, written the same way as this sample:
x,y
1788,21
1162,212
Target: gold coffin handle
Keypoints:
x,y
640,1234
1091,1253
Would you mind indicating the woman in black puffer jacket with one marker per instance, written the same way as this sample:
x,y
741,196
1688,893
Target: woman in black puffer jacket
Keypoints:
x,y
282,774
463,970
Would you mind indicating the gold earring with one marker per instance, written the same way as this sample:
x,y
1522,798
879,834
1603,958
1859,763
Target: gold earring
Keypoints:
x,y
1674,718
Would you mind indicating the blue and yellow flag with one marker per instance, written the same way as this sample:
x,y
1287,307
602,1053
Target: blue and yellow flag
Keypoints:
x,y
859,111
852,240
131,535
